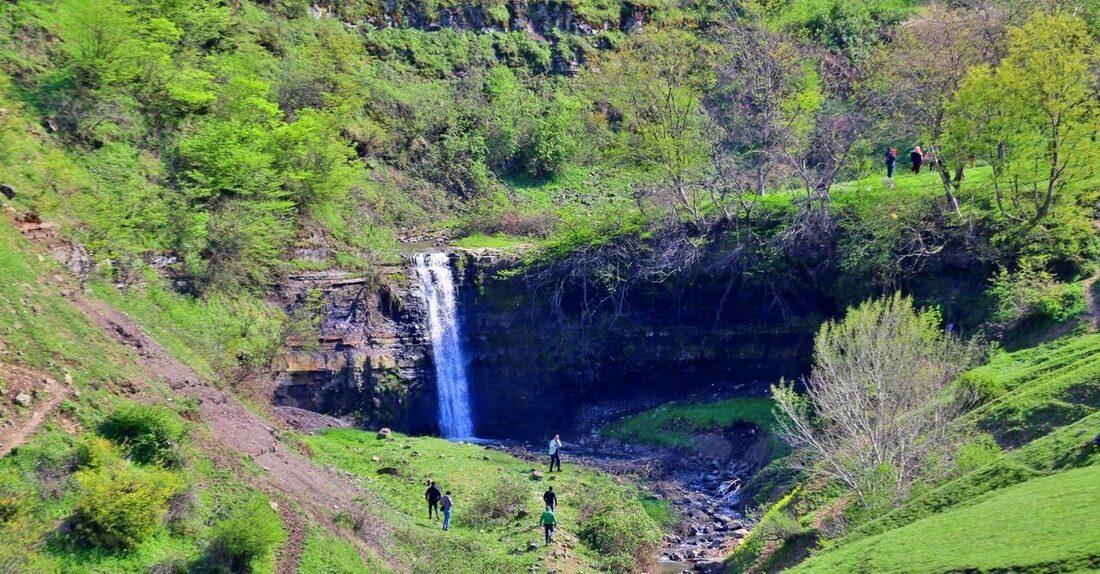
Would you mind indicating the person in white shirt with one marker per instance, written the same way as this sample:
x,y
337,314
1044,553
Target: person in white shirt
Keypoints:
x,y
555,453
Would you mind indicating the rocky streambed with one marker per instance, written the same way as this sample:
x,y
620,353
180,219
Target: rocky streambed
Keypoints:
x,y
703,492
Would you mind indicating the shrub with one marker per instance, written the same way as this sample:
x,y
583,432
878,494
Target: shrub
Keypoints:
x,y
978,452
248,534
118,506
501,502
617,527
150,433
1032,291
94,452
624,535
15,495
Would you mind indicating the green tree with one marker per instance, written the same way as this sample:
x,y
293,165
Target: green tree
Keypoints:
x,y
1033,117
657,81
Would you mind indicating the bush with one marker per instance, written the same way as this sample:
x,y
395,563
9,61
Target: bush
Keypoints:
x,y
501,502
118,506
978,452
94,452
151,434
1033,292
248,534
618,528
15,496
625,536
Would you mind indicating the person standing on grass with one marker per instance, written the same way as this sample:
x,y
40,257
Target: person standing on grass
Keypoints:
x,y
555,453
916,157
891,159
548,522
432,495
445,503
550,498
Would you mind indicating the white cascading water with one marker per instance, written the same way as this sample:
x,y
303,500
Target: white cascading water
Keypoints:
x,y
437,281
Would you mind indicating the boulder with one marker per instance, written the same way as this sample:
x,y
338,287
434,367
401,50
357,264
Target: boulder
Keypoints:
x,y
375,458
23,400
536,474
384,433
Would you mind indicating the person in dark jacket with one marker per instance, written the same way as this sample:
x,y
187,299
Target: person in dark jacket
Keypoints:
x,y
432,495
891,159
916,157
550,498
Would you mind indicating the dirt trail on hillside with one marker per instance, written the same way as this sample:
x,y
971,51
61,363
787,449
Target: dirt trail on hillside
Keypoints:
x,y
19,378
319,491
1091,301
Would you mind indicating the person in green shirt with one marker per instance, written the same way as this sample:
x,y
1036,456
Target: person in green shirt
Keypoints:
x,y
548,521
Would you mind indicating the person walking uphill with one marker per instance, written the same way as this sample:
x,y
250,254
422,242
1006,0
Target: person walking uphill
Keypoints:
x,y
555,453
891,159
550,498
916,157
432,495
445,503
549,521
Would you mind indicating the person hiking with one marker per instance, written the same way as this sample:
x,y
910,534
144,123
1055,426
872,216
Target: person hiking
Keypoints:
x,y
891,159
445,503
916,157
550,498
548,521
555,453
432,495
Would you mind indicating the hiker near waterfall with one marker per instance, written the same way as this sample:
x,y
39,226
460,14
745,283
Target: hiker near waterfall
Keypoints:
x,y
548,520
446,503
555,453
432,495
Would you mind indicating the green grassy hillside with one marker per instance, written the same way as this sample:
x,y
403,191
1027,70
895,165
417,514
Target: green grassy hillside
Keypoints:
x,y
603,523
1011,508
1043,525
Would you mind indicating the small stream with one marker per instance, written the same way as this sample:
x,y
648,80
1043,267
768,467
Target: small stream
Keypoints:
x,y
706,497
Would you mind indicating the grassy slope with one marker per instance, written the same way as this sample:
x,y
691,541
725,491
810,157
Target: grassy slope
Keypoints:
x,y
1030,527
39,329
1033,391
1023,508
469,472
677,425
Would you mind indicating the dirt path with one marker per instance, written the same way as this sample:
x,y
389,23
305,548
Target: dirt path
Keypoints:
x,y
320,492
19,378
1091,301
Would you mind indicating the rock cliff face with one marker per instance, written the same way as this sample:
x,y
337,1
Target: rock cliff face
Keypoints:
x,y
533,370
541,17
536,371
372,357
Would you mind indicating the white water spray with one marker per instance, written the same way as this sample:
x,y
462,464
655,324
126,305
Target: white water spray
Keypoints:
x,y
452,388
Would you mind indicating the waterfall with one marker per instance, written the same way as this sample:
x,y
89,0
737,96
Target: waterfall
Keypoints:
x,y
452,388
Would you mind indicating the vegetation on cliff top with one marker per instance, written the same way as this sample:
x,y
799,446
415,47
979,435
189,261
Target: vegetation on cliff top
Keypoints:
x,y
202,151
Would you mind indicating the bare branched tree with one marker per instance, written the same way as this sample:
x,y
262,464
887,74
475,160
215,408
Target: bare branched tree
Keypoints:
x,y
759,73
877,404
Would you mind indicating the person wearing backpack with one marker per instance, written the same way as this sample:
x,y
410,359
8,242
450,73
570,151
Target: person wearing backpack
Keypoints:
x,y
446,503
